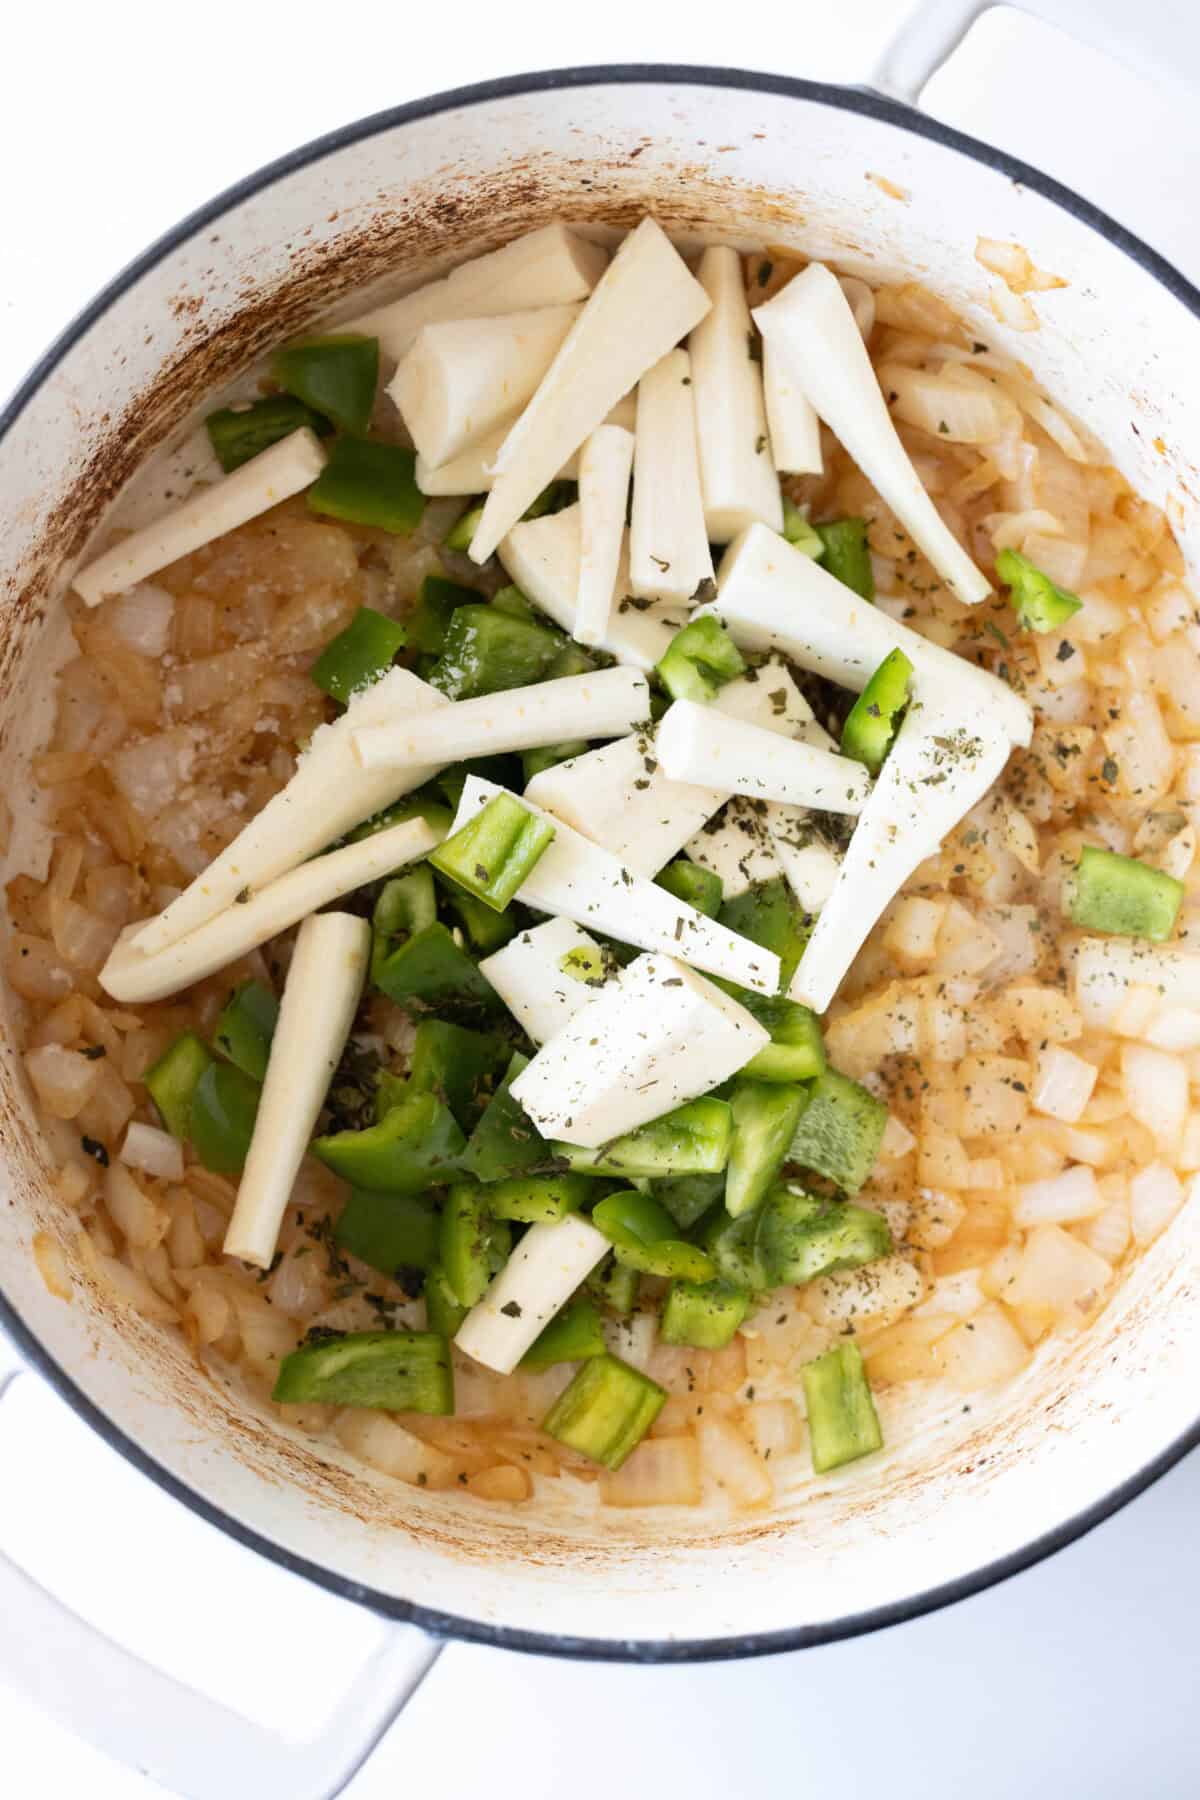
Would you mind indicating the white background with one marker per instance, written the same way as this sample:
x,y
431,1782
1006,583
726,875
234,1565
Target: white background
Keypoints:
x,y
1077,1679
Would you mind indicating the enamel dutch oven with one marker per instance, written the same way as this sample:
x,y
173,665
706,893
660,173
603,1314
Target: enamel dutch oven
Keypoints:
x,y
957,1500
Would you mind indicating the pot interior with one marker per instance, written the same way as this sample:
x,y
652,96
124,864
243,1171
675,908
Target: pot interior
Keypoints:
x,y
758,163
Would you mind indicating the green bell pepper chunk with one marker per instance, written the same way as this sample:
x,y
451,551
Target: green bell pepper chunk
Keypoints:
x,y
765,1116
538,1199
694,885
430,970
358,656
394,1233
493,853
874,719
705,1314
536,762
1040,604
571,660
437,601
606,1411
769,914
423,804
1107,892
486,931
464,528
222,1114
173,1078
406,904
802,1236
840,1131
504,771
366,483
390,1090
614,1285
847,555
240,433
796,1051
396,1371
417,1145
512,601
573,1335
506,1142
733,1246
692,1140
486,651
473,1246
688,1197
443,1311
642,1234
461,1067
699,660
246,1026
842,1422
335,375
554,498
798,531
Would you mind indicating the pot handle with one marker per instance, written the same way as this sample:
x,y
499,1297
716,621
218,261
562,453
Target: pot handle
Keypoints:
x,y
191,1745
934,29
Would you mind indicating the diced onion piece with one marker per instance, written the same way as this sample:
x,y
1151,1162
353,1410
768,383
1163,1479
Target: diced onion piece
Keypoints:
x,y
737,473
131,977
985,1350
661,1471
123,1285
1156,1091
326,796
143,617
1063,1083
52,1265
1107,970
378,1440
774,1427
876,1293
669,555
463,377
141,1220
645,301
320,997
1109,1231
1059,1200
547,267
153,1150
812,317
605,703
731,1462
1058,1272
63,1080
605,464
274,475
1155,1196
962,413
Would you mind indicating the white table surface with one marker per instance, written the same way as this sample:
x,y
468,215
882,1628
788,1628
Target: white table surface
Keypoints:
x,y
1076,1679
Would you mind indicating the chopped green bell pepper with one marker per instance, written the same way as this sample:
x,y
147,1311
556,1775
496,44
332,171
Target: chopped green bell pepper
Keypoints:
x,y
705,1314
464,528
437,601
473,1246
486,651
733,1246
847,554
394,1233
461,1067
421,805
796,1052
693,884
335,375
429,969
536,762
842,1422
221,1121
1039,603
396,1371
614,1285
538,1199
416,1145
840,1131
688,1197
642,1234
1107,892
798,531
506,1142
692,1140
573,1335
769,914
366,483
486,931
512,601
493,853
765,1116
443,1310
358,656
504,771
173,1078
874,719
606,1411
246,1026
699,660
240,433
801,1236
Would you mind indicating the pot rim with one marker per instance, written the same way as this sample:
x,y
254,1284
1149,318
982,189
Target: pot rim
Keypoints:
x,y
867,103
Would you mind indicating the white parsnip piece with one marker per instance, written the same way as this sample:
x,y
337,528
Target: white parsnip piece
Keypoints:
x,y
320,997
771,596
328,794
542,557
576,879
548,267
606,703
273,475
737,473
792,420
546,975
815,328
134,978
645,301
605,465
471,473
620,797
944,760
535,1283
669,555
464,377
696,744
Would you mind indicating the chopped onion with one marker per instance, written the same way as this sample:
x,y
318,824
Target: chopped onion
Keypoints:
x,y
731,1462
662,1471
155,1151
376,1439
63,1080
961,413
774,1427
985,1349
143,617
141,1220
1156,1090
1071,1195
52,1265
504,1482
1058,1272
1063,1084
877,1293
1108,1232
1155,1196
123,1284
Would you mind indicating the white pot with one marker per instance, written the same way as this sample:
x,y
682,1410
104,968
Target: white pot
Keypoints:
x,y
946,1509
